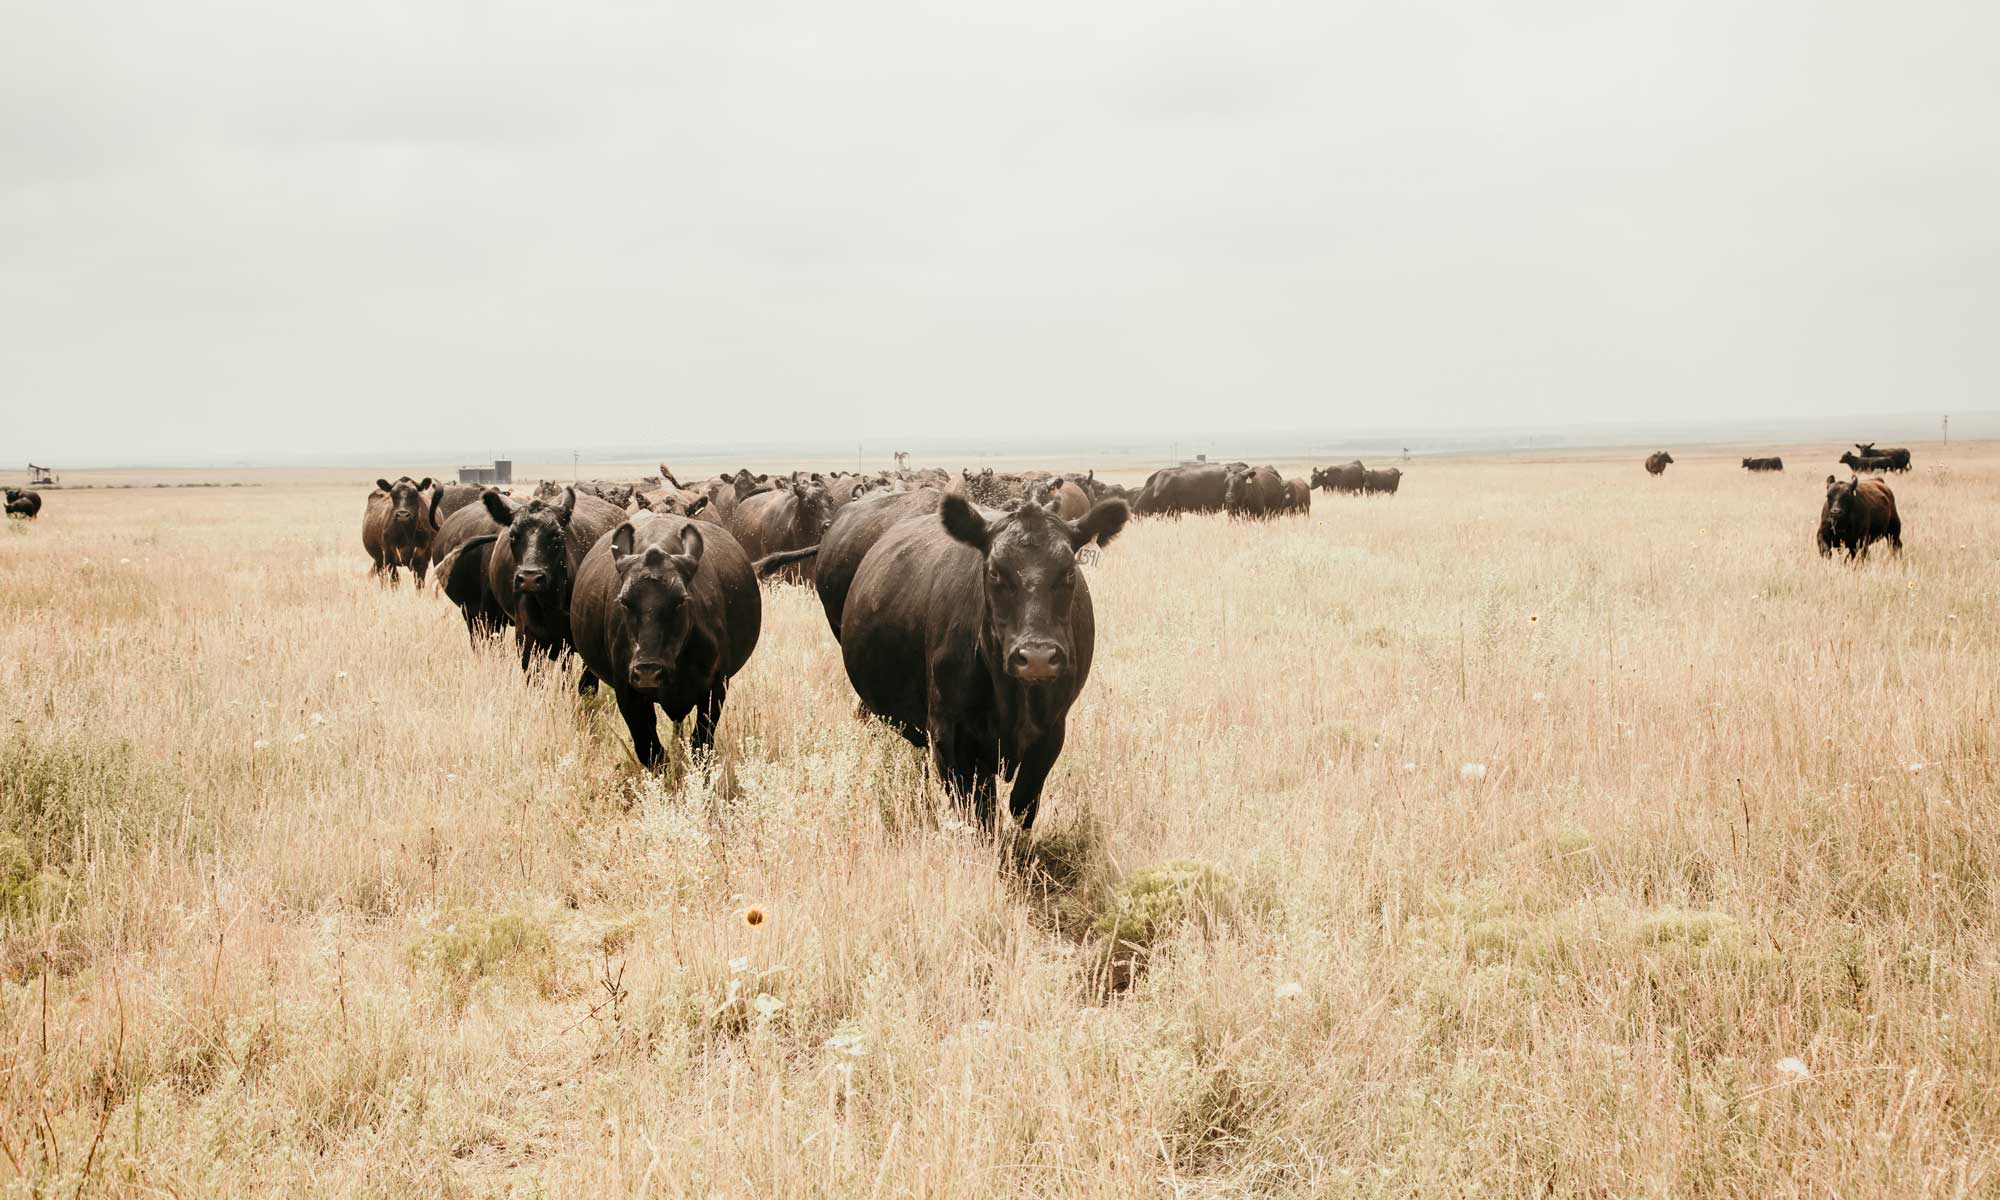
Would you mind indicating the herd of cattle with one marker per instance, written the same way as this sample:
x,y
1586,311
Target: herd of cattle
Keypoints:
x,y
957,603
1857,512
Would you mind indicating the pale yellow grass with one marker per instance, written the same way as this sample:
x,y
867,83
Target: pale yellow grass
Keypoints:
x,y
323,902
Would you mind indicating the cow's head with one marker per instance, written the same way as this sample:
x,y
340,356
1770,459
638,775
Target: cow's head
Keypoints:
x,y
815,511
407,502
538,536
653,581
1029,578
1842,499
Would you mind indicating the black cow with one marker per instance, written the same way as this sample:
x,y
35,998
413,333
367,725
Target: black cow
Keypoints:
x,y
1866,464
789,518
1197,488
1657,462
983,661
1897,458
1382,482
464,546
23,503
1763,464
1348,477
854,533
666,610
532,569
1256,492
1856,513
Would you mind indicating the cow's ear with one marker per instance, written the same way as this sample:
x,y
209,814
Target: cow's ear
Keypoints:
x,y
425,486
621,545
688,561
640,502
567,508
1102,523
497,508
382,485
700,503
963,522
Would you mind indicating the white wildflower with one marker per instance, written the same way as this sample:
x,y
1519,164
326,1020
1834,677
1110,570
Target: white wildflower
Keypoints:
x,y
1539,697
1409,766
1472,771
1917,768
260,744
849,1041
1291,990
766,1004
739,965
319,718
1793,1068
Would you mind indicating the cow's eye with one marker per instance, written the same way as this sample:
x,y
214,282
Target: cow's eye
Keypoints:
x,y
995,577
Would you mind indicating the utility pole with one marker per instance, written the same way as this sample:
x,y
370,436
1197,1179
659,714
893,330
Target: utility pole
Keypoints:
x,y
574,459
1947,429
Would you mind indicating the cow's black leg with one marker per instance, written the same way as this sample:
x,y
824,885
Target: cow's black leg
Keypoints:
x,y
706,715
644,724
1026,798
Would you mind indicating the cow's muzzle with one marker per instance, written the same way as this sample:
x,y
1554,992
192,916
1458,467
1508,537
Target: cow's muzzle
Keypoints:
x,y
1037,662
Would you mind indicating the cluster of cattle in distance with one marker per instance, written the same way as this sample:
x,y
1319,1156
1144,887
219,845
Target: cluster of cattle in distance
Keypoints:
x,y
1856,512
654,587
23,503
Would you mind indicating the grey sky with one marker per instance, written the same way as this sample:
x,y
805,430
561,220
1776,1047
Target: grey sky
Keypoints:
x,y
247,228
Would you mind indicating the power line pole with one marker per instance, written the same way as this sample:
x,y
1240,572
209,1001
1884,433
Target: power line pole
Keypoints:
x,y
1947,429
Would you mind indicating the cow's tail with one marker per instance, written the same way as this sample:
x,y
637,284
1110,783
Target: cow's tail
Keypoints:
x,y
444,565
783,558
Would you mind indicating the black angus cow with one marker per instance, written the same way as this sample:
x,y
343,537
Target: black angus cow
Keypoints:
x,y
1896,458
1866,464
23,503
792,517
1858,512
533,567
464,546
1657,462
1348,477
1382,483
1763,464
1257,492
982,659
853,534
1197,488
666,610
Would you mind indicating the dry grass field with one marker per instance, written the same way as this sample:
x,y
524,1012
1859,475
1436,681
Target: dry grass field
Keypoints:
x,y
1502,838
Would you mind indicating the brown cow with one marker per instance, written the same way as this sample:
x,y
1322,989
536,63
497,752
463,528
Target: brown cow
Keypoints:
x,y
1656,462
396,528
1856,513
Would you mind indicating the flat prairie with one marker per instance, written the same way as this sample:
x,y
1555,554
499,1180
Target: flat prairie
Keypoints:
x,y
1545,830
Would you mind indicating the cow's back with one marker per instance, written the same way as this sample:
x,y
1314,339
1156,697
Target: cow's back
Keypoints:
x,y
911,585
854,532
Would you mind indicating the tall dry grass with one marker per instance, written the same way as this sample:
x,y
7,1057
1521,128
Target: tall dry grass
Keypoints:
x,y
1523,824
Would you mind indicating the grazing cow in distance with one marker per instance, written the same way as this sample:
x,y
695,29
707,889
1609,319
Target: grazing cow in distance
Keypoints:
x,y
1170,490
1382,482
1865,464
463,545
533,566
1896,458
1763,464
1657,462
1348,477
23,503
1858,512
788,518
1299,496
1254,492
666,610
981,665
1064,497
854,533
396,528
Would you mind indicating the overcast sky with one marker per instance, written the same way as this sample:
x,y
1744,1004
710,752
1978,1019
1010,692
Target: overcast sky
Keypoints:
x,y
252,228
